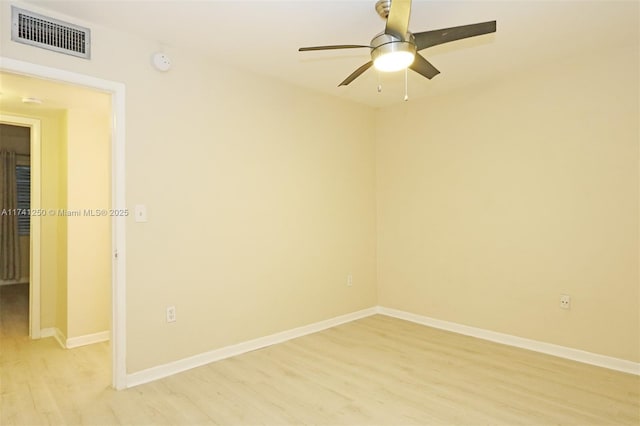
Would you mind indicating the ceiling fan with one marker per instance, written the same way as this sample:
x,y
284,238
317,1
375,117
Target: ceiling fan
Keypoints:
x,y
396,48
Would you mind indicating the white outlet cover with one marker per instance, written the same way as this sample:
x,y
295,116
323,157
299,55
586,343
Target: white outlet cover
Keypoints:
x,y
161,61
565,301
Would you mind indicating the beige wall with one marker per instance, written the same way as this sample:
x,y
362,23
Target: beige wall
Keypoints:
x,y
52,135
61,236
260,199
494,201
88,238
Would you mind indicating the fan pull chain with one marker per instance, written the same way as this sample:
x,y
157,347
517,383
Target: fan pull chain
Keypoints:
x,y
406,84
379,84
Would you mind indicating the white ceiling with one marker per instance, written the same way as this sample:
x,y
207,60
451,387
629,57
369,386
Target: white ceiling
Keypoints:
x,y
263,37
54,96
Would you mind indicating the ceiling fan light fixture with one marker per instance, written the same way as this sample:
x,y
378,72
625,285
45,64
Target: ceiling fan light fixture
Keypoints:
x,y
393,61
391,54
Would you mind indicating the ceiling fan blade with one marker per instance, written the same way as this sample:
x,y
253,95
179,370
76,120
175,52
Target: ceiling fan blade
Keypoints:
x,y
432,38
338,46
424,67
356,73
398,19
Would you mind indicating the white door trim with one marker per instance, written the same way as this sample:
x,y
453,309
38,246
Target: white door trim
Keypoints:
x,y
35,205
118,201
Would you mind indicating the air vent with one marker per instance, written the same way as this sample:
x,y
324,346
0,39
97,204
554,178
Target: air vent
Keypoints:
x,y
41,31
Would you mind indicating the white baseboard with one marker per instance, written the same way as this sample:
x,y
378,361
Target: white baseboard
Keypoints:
x,y
88,339
56,334
165,370
178,366
74,342
519,342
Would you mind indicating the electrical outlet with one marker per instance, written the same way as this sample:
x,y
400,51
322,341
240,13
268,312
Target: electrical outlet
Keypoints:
x,y
565,301
171,314
349,280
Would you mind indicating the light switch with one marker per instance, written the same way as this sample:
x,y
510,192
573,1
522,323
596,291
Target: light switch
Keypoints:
x,y
141,213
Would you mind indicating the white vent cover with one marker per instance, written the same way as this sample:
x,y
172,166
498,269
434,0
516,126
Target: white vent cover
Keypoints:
x,y
41,31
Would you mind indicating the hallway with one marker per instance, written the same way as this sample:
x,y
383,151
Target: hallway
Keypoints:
x,y
38,376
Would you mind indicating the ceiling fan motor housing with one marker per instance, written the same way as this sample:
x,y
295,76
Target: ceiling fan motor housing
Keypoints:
x,y
382,39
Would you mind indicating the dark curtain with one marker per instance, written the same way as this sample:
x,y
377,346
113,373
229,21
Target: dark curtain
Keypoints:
x,y
9,238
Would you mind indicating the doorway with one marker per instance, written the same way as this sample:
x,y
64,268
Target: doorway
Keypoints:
x,y
117,202
21,135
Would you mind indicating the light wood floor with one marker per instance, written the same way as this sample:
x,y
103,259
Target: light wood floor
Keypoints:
x,y
375,371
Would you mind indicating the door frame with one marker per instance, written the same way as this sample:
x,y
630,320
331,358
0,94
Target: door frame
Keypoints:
x,y
118,201
35,205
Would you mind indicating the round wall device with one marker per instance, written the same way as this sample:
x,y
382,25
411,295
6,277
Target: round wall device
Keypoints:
x,y
161,62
